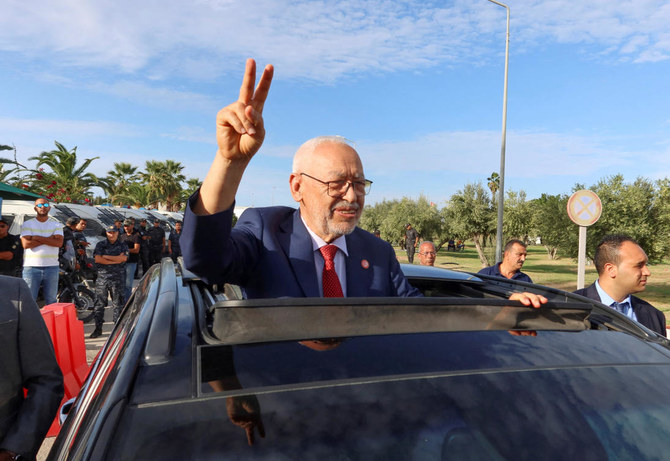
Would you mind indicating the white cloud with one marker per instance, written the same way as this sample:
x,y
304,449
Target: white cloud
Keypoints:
x,y
478,152
66,127
317,40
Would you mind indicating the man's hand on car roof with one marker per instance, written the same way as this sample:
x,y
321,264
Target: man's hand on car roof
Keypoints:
x,y
528,299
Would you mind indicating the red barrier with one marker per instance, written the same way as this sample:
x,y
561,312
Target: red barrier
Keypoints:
x,y
67,335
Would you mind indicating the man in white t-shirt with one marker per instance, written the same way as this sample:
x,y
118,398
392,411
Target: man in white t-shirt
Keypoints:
x,y
41,238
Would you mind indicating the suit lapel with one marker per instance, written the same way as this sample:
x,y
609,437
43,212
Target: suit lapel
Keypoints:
x,y
359,267
297,245
592,292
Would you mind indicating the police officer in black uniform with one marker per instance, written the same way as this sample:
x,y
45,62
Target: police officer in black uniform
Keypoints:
x,y
411,239
11,252
156,242
144,246
174,249
111,255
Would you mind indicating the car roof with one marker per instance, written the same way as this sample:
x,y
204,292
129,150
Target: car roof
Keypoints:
x,y
251,321
417,271
175,321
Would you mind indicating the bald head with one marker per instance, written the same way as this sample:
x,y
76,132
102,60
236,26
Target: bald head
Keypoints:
x,y
307,150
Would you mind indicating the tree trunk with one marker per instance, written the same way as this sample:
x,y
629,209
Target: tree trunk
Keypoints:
x,y
480,251
551,251
440,244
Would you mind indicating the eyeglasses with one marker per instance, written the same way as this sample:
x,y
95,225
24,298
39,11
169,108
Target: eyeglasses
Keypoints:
x,y
341,186
43,205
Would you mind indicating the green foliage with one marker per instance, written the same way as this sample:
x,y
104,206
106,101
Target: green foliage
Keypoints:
x,y
632,209
390,218
118,182
493,182
640,209
473,217
516,220
549,220
65,180
192,184
164,180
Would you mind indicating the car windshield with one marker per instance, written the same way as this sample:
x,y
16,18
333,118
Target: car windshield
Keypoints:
x,y
439,396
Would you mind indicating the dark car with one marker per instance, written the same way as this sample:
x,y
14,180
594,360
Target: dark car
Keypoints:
x,y
193,373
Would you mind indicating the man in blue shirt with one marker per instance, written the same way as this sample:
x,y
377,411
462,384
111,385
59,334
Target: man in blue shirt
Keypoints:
x,y
510,268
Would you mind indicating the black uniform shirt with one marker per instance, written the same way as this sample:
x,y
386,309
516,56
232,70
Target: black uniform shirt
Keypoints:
x,y
105,247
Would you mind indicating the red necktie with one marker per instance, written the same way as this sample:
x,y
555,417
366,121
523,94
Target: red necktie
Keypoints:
x,y
331,283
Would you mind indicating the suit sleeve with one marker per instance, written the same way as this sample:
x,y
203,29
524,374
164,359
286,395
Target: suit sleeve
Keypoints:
x,y
215,252
403,288
41,377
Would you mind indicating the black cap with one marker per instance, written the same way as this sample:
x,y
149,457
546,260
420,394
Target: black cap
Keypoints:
x,y
111,229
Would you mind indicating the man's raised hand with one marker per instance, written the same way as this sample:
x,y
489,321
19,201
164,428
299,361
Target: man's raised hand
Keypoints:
x,y
239,127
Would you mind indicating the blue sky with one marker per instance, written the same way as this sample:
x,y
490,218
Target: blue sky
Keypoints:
x,y
417,85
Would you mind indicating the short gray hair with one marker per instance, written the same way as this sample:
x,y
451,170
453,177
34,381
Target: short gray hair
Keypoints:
x,y
309,146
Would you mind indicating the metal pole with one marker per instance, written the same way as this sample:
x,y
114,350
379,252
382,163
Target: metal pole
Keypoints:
x,y
501,189
581,257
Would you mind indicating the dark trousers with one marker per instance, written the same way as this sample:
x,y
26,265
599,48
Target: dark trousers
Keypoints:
x,y
144,259
104,287
410,253
155,255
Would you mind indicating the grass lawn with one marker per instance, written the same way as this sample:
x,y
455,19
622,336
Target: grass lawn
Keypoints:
x,y
560,273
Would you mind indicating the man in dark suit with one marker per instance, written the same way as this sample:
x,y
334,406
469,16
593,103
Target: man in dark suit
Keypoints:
x,y
27,361
280,251
622,270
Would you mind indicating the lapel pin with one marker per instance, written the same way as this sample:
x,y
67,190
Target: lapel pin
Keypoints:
x,y
365,264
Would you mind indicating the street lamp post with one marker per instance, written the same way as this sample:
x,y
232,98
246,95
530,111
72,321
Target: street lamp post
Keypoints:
x,y
501,189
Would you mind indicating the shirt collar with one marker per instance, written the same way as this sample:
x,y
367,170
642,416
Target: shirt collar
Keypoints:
x,y
607,299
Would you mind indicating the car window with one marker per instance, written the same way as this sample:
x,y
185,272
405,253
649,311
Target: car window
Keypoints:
x,y
484,396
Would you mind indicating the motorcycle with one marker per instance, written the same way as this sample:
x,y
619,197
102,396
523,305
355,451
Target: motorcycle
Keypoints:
x,y
72,289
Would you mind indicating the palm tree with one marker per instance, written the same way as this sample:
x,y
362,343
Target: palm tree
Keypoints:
x,y
164,180
5,173
137,194
494,184
173,190
14,167
118,180
192,185
66,181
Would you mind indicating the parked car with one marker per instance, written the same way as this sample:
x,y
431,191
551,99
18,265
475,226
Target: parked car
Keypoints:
x,y
192,372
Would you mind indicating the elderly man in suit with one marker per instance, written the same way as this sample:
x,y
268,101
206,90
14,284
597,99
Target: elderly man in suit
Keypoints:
x,y
622,270
314,251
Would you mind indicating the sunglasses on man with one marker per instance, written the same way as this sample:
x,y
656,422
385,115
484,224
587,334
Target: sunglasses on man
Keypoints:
x,y
43,205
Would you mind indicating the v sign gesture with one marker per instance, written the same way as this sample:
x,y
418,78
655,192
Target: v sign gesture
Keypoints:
x,y
239,134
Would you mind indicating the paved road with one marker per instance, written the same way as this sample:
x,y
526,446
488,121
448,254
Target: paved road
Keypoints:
x,y
93,346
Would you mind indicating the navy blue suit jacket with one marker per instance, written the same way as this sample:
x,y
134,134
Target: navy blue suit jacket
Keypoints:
x,y
269,253
646,314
